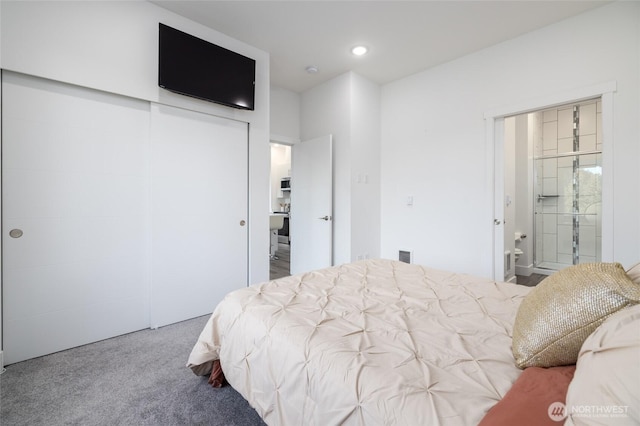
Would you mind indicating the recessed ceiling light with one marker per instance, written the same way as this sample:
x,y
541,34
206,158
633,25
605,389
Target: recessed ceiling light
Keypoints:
x,y
312,69
359,50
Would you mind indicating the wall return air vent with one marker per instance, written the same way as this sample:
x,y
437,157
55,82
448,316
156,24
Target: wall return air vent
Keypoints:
x,y
404,256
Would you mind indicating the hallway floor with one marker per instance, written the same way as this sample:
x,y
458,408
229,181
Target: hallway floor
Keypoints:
x,y
280,267
530,281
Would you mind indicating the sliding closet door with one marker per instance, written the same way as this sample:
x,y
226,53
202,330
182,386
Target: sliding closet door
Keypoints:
x,y
200,207
74,212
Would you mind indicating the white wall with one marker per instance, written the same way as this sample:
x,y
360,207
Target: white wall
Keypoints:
x,y
112,47
285,115
433,135
365,168
510,199
325,110
1,356
348,107
285,129
524,192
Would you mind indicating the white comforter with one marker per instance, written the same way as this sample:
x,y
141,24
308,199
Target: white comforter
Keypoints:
x,y
376,342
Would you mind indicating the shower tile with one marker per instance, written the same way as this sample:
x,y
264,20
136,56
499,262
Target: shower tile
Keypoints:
x,y
590,160
549,186
550,168
565,123
566,259
565,239
587,259
565,219
549,206
550,135
565,208
549,223
565,162
565,145
589,205
539,221
590,188
588,143
565,180
550,115
587,242
549,250
590,197
587,119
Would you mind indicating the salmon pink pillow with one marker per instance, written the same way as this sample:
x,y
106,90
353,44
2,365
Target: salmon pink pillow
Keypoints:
x,y
529,400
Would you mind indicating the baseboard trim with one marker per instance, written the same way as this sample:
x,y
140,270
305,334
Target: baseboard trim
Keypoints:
x,y
524,270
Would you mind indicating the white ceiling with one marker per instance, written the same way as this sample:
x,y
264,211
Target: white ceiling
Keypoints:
x,y
404,37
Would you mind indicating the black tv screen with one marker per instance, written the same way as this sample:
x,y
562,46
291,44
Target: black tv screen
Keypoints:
x,y
194,67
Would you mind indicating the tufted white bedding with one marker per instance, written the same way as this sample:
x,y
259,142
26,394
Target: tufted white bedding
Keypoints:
x,y
377,342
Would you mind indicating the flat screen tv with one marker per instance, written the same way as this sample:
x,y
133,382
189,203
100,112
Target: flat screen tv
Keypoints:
x,y
194,67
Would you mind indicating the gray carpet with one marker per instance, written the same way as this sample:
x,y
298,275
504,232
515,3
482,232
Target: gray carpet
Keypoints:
x,y
135,379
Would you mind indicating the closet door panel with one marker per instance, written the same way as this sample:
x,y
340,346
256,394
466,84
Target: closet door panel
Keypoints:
x,y
75,183
200,209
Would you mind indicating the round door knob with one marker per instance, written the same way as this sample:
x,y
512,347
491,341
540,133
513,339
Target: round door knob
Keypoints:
x,y
243,223
15,233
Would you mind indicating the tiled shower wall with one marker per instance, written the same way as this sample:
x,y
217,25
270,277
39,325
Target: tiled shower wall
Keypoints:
x,y
553,137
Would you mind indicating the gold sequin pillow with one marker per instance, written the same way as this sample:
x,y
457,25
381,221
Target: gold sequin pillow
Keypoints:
x,y
634,273
559,314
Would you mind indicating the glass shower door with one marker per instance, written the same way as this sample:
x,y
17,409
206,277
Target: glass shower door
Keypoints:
x,y
568,209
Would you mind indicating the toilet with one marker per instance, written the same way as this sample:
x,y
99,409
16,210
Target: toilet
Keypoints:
x,y
517,253
519,236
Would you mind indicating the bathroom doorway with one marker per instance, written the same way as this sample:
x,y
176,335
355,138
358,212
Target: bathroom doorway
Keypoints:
x,y
505,266
553,190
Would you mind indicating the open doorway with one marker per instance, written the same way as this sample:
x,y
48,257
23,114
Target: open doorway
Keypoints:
x,y
553,190
280,196
596,167
301,212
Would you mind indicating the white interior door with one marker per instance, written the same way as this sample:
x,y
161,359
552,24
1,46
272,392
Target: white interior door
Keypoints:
x,y
499,213
200,208
74,191
311,216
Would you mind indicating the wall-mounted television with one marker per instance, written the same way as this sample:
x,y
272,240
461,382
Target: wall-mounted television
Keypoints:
x,y
194,67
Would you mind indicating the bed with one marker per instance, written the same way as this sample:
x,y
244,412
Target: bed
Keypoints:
x,y
372,342
376,342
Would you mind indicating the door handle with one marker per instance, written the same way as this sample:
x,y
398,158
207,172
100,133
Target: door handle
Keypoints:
x,y
542,197
325,218
15,233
